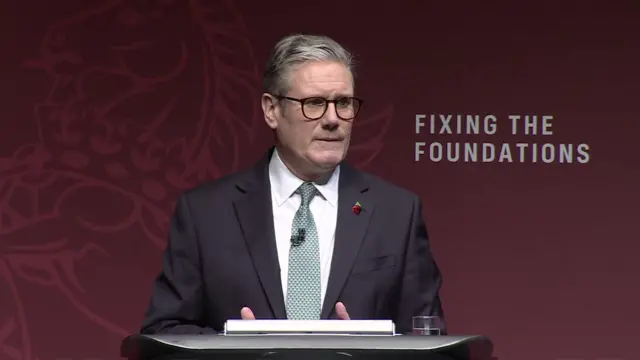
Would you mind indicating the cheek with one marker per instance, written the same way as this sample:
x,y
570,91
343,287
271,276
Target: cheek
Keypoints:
x,y
347,127
298,132
305,134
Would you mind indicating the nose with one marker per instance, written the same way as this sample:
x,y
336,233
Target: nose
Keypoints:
x,y
330,118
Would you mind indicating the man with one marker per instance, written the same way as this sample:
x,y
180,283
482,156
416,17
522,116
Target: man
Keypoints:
x,y
301,235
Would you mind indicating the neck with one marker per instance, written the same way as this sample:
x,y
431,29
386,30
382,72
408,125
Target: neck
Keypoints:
x,y
301,170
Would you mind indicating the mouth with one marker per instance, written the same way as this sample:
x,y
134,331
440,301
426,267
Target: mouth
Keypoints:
x,y
329,139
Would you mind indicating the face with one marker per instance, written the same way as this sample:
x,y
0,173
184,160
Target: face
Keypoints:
x,y
311,146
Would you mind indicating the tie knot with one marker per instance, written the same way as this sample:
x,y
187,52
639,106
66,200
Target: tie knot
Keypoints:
x,y
307,191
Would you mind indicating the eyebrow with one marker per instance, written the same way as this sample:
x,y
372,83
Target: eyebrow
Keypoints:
x,y
335,96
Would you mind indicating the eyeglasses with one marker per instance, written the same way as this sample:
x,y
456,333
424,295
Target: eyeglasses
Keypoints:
x,y
313,108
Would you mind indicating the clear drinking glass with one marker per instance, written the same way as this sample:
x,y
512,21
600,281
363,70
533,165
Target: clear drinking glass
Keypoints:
x,y
427,325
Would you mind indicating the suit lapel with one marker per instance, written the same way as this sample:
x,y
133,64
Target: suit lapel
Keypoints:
x,y
350,231
255,215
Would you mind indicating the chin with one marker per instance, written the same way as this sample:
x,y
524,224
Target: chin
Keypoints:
x,y
327,159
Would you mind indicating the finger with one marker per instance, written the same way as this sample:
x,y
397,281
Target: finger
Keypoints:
x,y
341,311
247,314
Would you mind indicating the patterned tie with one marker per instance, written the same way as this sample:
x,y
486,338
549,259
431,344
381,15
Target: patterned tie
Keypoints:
x,y
303,282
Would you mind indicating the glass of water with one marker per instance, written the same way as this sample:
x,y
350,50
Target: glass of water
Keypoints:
x,y
427,325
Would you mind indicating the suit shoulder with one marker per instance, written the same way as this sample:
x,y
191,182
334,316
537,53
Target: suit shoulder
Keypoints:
x,y
395,204
390,189
221,187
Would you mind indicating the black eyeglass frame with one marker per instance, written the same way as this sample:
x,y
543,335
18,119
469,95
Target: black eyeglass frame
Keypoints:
x,y
326,105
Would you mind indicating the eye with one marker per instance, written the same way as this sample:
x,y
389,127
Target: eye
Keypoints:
x,y
344,102
318,101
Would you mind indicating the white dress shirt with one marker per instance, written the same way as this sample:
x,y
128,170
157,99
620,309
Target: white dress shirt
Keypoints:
x,y
285,203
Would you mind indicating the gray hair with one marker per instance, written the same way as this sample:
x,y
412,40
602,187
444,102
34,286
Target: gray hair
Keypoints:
x,y
293,50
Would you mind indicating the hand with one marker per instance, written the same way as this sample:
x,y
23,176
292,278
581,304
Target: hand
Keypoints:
x,y
341,311
247,314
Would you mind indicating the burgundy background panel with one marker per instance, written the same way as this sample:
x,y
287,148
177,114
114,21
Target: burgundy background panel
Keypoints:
x,y
111,108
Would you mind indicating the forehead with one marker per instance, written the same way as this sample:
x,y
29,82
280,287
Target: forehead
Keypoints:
x,y
321,79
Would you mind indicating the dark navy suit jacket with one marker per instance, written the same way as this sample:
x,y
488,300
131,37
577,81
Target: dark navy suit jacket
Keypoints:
x,y
221,256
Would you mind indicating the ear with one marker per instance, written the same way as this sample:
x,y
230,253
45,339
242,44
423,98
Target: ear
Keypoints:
x,y
270,110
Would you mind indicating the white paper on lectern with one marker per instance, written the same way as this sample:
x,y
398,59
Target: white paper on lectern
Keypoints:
x,y
369,327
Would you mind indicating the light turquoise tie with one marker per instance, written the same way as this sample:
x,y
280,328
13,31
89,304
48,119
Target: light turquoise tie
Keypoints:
x,y
303,281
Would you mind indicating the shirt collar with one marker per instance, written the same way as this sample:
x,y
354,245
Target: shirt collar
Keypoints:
x,y
284,183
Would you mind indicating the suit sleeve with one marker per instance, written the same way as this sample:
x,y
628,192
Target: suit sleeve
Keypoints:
x,y
176,305
421,279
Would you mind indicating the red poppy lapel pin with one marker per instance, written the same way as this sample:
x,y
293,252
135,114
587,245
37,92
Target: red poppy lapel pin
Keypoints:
x,y
357,208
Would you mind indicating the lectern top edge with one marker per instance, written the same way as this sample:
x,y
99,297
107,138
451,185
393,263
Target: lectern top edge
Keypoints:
x,y
205,346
